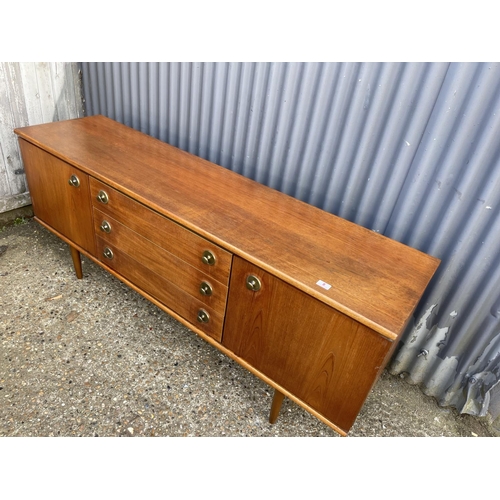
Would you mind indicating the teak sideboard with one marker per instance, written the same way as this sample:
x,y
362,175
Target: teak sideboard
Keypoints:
x,y
309,302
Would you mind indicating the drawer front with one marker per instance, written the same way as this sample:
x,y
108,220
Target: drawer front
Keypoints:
x,y
163,290
163,263
166,233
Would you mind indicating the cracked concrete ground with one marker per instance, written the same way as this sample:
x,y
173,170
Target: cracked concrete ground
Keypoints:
x,y
92,357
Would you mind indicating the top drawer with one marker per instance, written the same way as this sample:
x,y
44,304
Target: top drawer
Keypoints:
x,y
182,242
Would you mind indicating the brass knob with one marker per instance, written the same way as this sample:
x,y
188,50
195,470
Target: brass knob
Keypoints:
x,y
74,181
203,316
103,197
208,258
253,283
106,226
205,288
108,253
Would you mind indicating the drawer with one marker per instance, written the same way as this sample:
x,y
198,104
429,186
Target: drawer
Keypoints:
x,y
161,262
161,289
166,233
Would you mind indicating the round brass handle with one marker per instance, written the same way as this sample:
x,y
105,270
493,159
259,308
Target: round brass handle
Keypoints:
x,y
208,258
205,288
203,316
105,226
74,181
103,197
253,283
108,253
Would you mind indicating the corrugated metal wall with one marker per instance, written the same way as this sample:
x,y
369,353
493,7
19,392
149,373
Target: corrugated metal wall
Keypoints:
x,y
408,150
31,93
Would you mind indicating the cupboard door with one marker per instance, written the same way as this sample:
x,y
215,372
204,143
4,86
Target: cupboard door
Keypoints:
x,y
62,205
324,358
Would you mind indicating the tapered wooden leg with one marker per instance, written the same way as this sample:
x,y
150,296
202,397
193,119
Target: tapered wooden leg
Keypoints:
x,y
276,406
77,262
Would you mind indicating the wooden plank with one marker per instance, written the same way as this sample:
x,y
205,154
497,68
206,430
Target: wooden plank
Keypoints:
x,y
5,191
59,90
31,93
12,178
16,201
46,92
17,101
66,92
369,277
75,90
5,188
17,98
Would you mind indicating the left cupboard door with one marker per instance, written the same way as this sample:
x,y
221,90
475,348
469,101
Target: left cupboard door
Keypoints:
x,y
60,195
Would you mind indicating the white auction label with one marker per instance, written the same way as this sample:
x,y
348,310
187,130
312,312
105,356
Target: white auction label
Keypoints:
x,y
324,285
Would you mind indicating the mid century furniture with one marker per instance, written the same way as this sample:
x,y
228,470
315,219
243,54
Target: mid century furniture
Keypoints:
x,y
312,304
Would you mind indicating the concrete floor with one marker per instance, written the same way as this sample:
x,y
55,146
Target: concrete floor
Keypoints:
x,y
92,357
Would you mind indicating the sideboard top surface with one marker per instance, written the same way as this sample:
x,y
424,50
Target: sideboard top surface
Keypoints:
x,y
372,278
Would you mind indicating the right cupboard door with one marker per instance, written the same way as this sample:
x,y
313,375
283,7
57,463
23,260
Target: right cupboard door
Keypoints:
x,y
322,357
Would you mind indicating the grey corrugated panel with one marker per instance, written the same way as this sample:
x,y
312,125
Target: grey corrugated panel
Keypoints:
x,y
409,150
458,168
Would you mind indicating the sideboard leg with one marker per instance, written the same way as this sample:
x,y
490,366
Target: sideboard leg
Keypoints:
x,y
276,406
77,262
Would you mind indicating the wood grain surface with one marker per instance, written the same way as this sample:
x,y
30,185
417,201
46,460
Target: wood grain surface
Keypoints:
x,y
325,358
166,292
48,179
163,263
163,232
372,279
